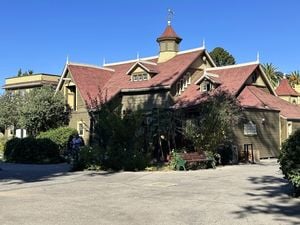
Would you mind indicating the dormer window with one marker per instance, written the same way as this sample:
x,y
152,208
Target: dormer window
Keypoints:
x,y
139,76
206,86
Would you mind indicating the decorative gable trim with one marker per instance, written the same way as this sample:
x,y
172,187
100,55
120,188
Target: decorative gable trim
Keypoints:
x,y
208,76
144,67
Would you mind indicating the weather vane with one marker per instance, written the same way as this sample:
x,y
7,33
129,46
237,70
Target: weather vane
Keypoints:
x,y
170,16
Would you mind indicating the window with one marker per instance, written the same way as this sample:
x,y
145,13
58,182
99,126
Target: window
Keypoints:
x,y
71,96
80,128
185,81
289,128
178,91
250,129
181,85
206,86
140,77
254,77
145,76
189,78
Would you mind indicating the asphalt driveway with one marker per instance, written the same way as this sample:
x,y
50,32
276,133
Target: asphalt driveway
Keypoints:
x,y
244,194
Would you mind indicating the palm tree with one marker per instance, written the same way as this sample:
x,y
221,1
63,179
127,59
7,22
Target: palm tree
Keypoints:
x,y
272,74
294,78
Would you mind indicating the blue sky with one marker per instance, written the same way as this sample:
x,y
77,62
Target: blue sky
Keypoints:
x,y
40,34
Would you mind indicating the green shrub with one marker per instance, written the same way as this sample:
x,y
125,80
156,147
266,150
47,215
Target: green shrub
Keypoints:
x,y
289,159
60,136
2,144
31,150
89,158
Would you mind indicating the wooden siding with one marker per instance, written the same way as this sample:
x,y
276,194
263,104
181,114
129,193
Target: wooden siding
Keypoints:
x,y
267,141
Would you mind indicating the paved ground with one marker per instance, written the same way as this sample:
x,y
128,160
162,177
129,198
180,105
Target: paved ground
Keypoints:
x,y
245,194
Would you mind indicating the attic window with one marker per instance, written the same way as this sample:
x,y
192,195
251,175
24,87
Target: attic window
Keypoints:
x,y
254,77
250,129
139,77
206,86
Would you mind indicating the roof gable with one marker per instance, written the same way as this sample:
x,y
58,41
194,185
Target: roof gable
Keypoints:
x,y
285,89
149,67
254,97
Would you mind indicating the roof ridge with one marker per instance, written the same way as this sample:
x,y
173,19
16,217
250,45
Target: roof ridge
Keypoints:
x,y
191,50
130,61
233,66
256,96
90,65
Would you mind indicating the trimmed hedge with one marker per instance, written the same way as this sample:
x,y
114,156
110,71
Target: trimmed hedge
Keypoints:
x,y
31,150
289,160
60,136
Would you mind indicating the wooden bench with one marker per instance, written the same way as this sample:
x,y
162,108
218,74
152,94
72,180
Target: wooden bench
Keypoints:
x,y
191,157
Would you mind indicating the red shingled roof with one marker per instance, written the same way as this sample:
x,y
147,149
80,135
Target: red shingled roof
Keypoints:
x,y
169,72
255,97
285,89
233,77
169,33
89,80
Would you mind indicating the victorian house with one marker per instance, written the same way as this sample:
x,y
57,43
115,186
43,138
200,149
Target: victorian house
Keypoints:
x,y
177,79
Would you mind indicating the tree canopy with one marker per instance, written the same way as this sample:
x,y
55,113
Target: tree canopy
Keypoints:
x,y
294,78
214,121
36,111
272,73
222,57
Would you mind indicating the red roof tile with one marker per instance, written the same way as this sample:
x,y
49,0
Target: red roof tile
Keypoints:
x,y
233,77
169,33
255,97
89,80
285,89
169,72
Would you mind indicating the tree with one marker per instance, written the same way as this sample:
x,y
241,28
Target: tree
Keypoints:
x,y
10,105
289,160
42,110
19,72
272,74
221,57
294,78
212,125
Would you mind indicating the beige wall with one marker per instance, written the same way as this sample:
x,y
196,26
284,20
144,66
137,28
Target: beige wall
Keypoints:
x,y
80,114
267,141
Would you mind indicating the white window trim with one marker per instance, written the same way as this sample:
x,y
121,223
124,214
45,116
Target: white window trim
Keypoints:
x,y
289,128
78,128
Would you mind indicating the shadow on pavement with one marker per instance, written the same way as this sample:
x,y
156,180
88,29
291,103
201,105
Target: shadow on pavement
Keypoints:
x,y
268,189
11,173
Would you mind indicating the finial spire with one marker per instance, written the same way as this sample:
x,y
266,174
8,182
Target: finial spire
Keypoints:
x,y
103,61
138,56
67,60
170,16
203,43
257,57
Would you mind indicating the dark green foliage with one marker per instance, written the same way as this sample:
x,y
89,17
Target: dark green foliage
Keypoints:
x,y
31,150
89,158
221,57
60,136
289,159
10,106
212,123
120,139
42,110
272,74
